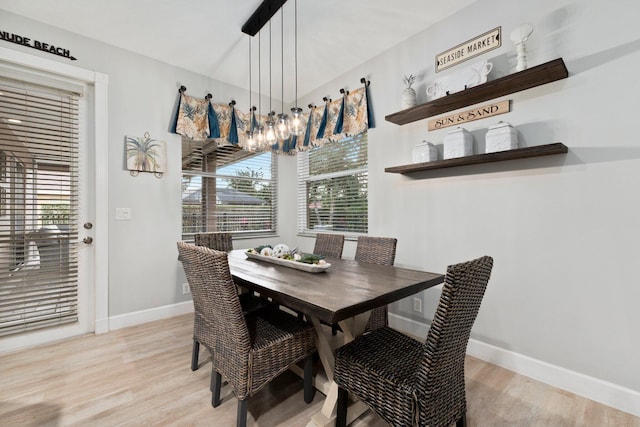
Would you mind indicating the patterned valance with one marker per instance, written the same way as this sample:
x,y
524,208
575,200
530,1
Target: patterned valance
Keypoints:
x,y
202,119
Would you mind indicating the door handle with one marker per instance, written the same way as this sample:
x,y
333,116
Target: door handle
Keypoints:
x,y
87,240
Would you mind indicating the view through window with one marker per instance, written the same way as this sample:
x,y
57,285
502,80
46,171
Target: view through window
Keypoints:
x,y
333,187
227,189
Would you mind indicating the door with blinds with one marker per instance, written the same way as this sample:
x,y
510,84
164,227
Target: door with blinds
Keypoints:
x,y
42,256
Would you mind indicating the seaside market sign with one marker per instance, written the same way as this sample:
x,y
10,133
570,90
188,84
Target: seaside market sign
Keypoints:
x,y
36,44
469,49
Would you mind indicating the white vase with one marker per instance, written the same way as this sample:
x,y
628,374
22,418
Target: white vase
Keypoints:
x,y
408,98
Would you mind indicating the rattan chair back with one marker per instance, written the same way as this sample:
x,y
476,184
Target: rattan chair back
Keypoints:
x,y
329,245
377,250
219,241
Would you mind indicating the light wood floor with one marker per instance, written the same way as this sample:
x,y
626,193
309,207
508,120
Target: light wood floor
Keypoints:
x,y
141,376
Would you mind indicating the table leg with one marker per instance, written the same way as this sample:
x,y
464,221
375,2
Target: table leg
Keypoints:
x,y
352,328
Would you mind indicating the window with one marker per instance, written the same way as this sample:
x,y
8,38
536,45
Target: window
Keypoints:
x,y
227,189
333,187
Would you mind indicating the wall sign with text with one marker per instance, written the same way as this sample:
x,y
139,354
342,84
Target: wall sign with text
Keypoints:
x,y
467,50
471,115
36,44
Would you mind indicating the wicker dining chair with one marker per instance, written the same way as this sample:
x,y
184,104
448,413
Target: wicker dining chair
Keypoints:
x,y
219,241
248,301
247,350
382,251
412,383
329,245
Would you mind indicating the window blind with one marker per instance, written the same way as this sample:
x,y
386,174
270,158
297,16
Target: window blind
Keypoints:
x,y
333,187
38,206
227,189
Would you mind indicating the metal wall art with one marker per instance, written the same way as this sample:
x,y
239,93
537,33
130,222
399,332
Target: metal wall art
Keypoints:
x,y
146,155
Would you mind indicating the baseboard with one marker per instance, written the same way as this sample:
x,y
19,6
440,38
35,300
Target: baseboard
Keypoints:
x,y
138,317
101,326
607,393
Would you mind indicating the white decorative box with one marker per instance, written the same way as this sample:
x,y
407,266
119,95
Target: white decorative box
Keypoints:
x,y
501,137
458,143
424,152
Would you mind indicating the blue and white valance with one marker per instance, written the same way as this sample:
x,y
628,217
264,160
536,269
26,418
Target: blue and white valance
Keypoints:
x,y
204,119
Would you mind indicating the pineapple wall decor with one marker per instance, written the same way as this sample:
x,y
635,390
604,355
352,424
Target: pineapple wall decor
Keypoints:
x,y
145,155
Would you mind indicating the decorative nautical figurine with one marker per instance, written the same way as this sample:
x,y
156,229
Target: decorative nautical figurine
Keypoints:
x,y
520,36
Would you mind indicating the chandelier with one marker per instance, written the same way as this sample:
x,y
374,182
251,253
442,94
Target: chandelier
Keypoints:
x,y
262,132
222,123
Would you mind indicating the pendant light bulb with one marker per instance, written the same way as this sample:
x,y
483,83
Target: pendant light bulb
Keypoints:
x,y
270,130
259,136
296,125
282,127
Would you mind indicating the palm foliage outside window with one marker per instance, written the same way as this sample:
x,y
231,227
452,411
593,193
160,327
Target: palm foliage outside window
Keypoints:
x,y
227,189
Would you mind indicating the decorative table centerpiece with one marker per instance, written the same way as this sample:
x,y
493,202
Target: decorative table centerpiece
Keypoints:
x,y
280,254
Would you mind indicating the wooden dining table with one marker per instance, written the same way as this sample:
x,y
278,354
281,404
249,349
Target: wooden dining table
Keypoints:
x,y
344,293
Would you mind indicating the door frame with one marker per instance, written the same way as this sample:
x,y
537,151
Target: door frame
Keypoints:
x,y
98,127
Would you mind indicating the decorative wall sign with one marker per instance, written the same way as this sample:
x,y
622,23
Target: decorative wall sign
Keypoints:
x,y
146,155
36,44
471,115
467,50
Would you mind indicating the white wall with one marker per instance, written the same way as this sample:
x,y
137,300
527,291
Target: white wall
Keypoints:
x,y
563,230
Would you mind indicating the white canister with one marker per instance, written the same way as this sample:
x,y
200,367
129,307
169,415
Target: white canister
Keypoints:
x,y
424,152
458,143
501,137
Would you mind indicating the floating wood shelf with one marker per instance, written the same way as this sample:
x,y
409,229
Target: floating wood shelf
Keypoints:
x,y
516,82
518,153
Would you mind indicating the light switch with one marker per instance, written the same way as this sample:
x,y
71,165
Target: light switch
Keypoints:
x,y
123,214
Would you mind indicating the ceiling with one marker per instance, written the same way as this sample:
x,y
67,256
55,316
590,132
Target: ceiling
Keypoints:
x,y
204,36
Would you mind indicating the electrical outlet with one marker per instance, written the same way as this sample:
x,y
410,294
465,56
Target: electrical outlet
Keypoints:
x,y
417,305
185,288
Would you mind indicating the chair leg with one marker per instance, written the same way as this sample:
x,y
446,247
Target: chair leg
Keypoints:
x,y
334,330
216,385
241,420
309,390
194,355
462,422
343,401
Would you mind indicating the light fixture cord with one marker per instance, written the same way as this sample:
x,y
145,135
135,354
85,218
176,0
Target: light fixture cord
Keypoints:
x,y
259,76
270,66
296,45
282,60
250,74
